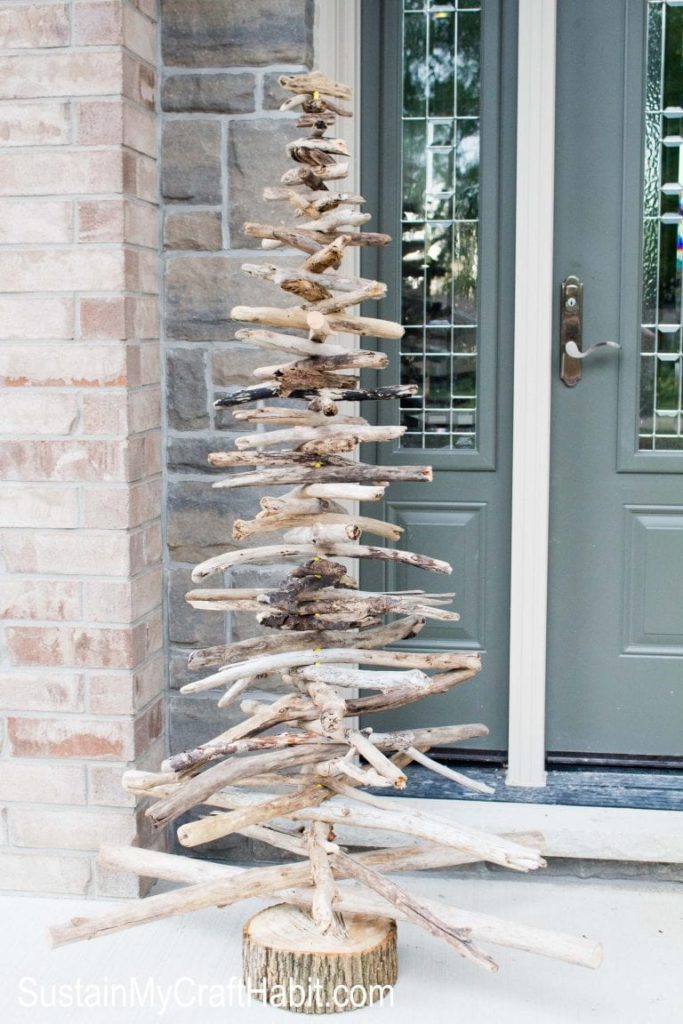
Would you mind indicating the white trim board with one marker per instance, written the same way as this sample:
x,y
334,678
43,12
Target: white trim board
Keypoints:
x,y
592,833
531,399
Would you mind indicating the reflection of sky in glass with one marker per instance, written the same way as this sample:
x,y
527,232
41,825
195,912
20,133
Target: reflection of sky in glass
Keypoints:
x,y
661,361
440,211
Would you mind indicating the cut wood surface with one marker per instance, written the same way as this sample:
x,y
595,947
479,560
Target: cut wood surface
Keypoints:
x,y
283,945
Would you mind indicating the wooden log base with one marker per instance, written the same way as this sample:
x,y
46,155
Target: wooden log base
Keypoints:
x,y
288,963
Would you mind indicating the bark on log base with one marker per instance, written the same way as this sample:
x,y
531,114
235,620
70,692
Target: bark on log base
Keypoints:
x,y
287,961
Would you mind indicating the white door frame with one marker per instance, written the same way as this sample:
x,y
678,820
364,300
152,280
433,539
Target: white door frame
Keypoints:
x,y
337,49
532,384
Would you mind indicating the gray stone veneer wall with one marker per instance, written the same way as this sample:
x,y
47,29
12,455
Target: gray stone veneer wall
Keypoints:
x,y
223,139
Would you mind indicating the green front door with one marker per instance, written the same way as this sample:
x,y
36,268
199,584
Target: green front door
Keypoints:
x,y
615,627
437,152
438,162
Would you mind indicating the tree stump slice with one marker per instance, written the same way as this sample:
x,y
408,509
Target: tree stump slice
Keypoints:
x,y
288,963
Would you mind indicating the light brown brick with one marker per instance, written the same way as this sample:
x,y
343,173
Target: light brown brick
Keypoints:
x,y
140,176
34,124
144,409
139,34
121,600
45,873
105,788
141,270
71,738
32,505
35,317
117,507
142,227
75,73
68,828
32,782
97,23
36,26
72,554
64,460
25,690
61,172
25,412
120,693
100,220
59,365
62,270
149,726
139,81
40,599
111,693
92,647
105,413
116,122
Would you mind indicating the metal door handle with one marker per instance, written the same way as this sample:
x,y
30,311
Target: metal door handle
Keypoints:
x,y
574,352
571,332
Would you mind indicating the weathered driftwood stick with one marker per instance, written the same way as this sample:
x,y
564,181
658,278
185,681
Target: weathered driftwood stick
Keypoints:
x,y
217,826
363,680
298,471
330,704
325,888
314,179
293,417
318,328
241,650
275,342
294,317
352,900
414,909
189,758
350,360
408,695
374,756
337,303
267,522
310,239
448,773
314,81
274,553
343,492
301,435
194,790
414,823
321,534
259,392
351,655
289,278
328,258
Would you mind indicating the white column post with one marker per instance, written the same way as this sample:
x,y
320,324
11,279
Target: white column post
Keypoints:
x,y
532,379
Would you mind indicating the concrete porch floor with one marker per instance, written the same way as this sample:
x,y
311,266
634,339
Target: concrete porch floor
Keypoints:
x,y
640,924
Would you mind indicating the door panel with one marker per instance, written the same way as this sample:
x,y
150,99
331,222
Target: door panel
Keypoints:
x,y
615,621
437,151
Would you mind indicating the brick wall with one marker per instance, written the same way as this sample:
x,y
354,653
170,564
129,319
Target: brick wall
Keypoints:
x,y
223,140
80,541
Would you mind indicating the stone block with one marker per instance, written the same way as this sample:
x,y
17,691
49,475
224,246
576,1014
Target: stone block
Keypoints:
x,y
237,33
214,94
191,162
193,231
273,93
201,293
196,719
186,391
257,156
186,625
189,454
200,519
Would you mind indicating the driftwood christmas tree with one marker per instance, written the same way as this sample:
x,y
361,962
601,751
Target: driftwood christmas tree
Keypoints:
x,y
294,770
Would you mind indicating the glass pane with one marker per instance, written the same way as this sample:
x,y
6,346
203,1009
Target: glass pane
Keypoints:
x,y
661,419
440,211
